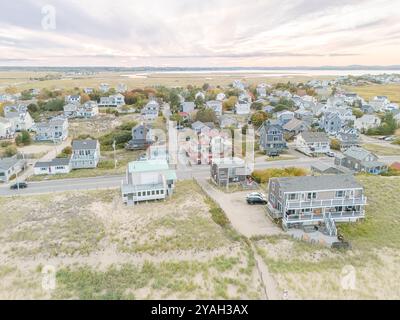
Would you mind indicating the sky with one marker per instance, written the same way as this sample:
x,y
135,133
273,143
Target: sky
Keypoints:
x,y
199,33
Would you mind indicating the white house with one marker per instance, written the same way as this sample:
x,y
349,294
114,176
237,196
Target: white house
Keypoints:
x,y
122,87
220,96
148,180
116,100
6,129
73,99
20,120
104,87
312,143
367,121
10,167
56,129
215,105
237,84
55,166
285,116
188,106
151,110
242,107
85,154
89,109
70,110
200,95
88,90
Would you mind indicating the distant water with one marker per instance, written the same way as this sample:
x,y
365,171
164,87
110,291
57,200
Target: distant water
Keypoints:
x,y
270,73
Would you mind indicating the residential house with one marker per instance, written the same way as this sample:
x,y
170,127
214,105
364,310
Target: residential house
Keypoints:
x,y
284,116
142,137
73,99
367,121
85,154
104,87
6,129
220,96
209,144
348,140
89,109
360,160
200,127
9,167
88,90
320,168
56,130
262,90
227,122
295,126
117,100
70,110
304,114
216,106
55,166
238,84
148,180
272,141
331,123
188,107
316,200
200,95
228,170
313,143
122,87
151,110
242,107
367,109
20,120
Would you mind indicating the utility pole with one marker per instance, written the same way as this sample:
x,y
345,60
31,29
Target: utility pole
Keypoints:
x,y
115,159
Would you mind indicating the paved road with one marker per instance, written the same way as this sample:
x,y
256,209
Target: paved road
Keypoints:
x,y
110,182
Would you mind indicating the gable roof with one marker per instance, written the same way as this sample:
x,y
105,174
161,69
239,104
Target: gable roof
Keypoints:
x,y
84,144
293,124
7,163
309,136
358,153
316,183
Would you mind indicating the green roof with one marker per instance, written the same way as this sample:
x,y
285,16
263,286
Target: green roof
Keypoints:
x,y
148,165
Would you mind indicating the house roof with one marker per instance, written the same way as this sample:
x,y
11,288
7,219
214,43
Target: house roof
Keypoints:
x,y
198,125
309,136
84,144
316,183
357,153
293,124
157,165
7,163
373,164
54,162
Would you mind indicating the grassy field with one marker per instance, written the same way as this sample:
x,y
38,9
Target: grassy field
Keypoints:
x,y
392,91
180,248
314,272
22,80
382,150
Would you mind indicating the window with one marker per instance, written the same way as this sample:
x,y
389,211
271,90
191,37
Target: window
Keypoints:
x,y
340,194
162,191
158,192
148,193
290,212
292,196
139,194
311,195
153,192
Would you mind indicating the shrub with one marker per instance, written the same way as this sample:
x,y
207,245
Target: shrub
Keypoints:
x,y
106,164
263,176
122,134
335,144
23,139
9,151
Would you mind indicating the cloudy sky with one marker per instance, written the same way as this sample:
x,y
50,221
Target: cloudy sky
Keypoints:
x,y
199,33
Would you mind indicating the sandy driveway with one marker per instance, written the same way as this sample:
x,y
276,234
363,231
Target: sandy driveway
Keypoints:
x,y
246,219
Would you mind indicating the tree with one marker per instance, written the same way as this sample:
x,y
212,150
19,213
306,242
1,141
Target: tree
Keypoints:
x,y
33,108
84,98
258,118
205,87
206,115
335,144
23,139
229,104
357,113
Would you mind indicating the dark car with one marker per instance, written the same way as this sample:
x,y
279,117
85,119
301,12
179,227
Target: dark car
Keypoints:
x,y
19,185
256,200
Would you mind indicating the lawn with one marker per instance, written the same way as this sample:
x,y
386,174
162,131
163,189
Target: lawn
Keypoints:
x,y
392,91
314,272
382,150
183,247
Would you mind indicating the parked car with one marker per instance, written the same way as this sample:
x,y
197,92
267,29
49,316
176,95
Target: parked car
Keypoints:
x,y
256,198
330,154
389,139
19,185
